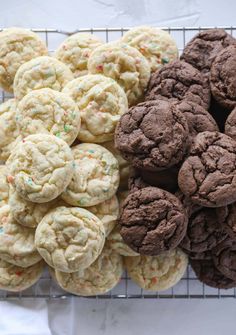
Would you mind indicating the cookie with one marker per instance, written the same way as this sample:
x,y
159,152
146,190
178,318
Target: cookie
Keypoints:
x,y
156,45
222,77
8,128
27,213
47,111
116,243
40,167
15,278
4,186
41,72
107,212
207,273
201,51
124,64
208,175
17,46
157,273
181,81
101,102
16,242
230,222
124,166
205,229
152,135
224,258
69,239
96,176
99,278
152,221
75,51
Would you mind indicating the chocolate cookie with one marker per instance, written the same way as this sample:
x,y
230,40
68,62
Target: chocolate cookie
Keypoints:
x,y
152,221
205,229
224,257
230,124
152,135
181,81
207,273
201,51
222,77
230,223
208,175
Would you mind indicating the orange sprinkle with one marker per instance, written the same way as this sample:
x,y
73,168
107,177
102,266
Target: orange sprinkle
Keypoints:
x,y
18,273
154,280
99,67
10,179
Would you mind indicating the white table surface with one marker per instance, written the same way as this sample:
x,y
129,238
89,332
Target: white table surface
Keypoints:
x,y
81,316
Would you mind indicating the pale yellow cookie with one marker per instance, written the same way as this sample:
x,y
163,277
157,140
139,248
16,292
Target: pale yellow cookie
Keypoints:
x,y
99,278
8,128
101,102
27,213
107,212
156,45
124,166
40,167
4,186
16,242
157,273
96,176
124,64
17,46
15,278
47,111
75,51
41,72
70,239
117,244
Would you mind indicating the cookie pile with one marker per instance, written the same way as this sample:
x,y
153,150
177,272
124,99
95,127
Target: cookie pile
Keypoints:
x,y
85,119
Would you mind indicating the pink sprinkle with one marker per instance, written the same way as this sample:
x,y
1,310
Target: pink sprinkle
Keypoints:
x,y
18,273
99,67
10,179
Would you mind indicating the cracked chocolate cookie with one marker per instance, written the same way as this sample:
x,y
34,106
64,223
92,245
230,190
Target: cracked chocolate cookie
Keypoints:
x,y
179,80
152,221
201,51
230,223
208,175
230,124
207,273
152,135
222,77
224,257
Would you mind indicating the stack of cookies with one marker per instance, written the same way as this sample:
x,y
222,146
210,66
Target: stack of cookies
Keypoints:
x,y
111,160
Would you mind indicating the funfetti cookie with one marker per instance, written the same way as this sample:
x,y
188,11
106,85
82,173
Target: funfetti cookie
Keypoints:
x,y
101,102
75,52
17,46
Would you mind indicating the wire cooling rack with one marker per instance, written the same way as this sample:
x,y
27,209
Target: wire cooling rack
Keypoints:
x,y
188,286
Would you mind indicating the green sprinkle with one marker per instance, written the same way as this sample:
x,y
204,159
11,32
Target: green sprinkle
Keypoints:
x,y
1,230
91,151
73,165
58,134
82,201
30,182
66,128
164,61
73,115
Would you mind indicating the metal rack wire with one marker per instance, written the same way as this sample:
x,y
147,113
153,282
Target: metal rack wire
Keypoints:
x,y
188,287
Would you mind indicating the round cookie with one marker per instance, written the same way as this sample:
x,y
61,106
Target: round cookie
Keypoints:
x,y
222,77
40,167
124,166
47,111
181,81
41,72
208,175
96,176
201,51
124,64
156,45
224,258
152,221
205,229
152,135
116,243
8,128
207,273
99,278
17,46
101,102
15,278
16,242
4,186
69,238
230,124
107,212
27,213
75,51
157,273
